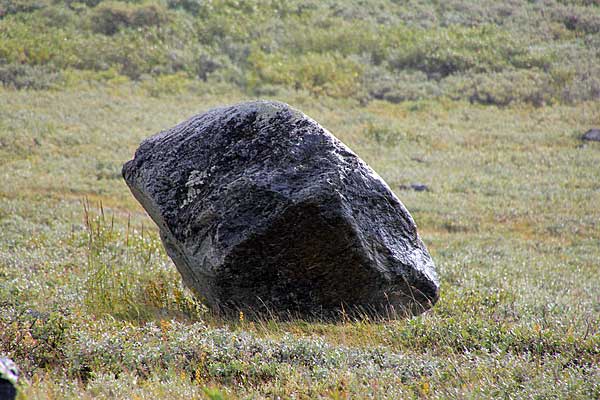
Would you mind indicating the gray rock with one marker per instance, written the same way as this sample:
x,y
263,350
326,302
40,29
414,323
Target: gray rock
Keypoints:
x,y
592,134
417,187
9,375
262,209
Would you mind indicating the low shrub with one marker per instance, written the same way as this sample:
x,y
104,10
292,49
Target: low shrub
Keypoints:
x,y
19,76
22,43
578,19
584,86
445,51
131,53
110,17
36,339
383,134
321,74
167,84
503,88
401,86
492,53
192,6
78,4
59,17
8,7
207,64
148,15
343,37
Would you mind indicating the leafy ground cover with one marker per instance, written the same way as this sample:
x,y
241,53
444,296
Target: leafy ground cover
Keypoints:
x,y
490,52
482,102
92,307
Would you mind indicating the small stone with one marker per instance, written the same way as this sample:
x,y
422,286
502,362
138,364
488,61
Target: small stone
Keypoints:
x,y
417,187
9,375
592,135
263,210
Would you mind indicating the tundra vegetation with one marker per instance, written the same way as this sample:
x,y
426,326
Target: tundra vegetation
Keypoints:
x,y
482,102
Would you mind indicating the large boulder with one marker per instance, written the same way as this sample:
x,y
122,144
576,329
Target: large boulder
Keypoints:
x,y
263,210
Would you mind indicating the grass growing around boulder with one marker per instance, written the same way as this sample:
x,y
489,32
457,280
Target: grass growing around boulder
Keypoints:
x,y
482,102
92,307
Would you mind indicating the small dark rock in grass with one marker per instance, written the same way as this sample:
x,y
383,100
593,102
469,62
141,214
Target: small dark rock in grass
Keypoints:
x,y
592,134
262,209
417,187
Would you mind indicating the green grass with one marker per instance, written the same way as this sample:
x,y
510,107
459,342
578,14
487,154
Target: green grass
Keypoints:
x,y
93,308
489,52
484,102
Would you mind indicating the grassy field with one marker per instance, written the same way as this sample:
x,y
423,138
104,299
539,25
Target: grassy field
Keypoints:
x,y
483,102
92,307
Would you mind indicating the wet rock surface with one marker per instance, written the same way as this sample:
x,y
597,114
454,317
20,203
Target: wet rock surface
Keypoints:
x,y
263,210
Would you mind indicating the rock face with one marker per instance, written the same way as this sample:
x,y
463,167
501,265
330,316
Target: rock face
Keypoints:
x,y
262,209
592,134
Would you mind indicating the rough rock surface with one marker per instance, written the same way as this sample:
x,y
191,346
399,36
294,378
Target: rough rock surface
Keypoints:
x,y
592,134
262,209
